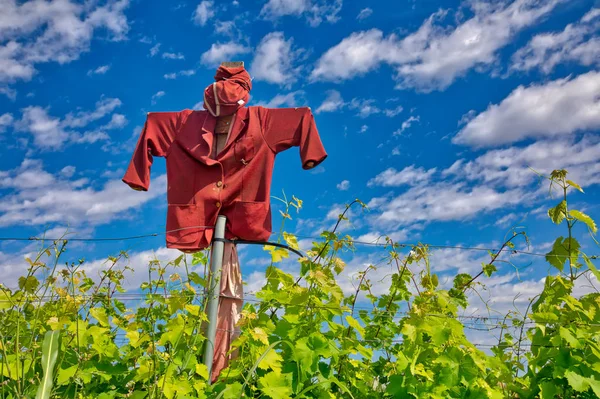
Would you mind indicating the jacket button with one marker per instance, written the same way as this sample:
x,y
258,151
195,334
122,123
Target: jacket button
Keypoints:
x,y
219,183
218,204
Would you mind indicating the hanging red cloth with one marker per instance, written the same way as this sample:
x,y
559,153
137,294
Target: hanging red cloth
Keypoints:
x,y
230,306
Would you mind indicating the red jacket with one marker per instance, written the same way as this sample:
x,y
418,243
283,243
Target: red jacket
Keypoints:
x,y
236,184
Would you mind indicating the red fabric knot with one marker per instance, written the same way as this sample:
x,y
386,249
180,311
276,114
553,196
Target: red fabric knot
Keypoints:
x,y
230,92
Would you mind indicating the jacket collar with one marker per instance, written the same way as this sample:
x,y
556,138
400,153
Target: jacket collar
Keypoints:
x,y
198,144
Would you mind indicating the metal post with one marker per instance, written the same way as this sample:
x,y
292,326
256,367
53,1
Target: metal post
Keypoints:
x,y
214,289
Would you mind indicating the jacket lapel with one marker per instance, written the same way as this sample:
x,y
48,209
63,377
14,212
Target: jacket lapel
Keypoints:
x,y
197,135
239,123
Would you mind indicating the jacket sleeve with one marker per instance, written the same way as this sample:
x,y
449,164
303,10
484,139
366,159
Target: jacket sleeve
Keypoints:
x,y
157,135
293,127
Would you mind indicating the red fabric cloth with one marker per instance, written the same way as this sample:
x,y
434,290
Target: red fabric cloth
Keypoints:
x,y
230,308
229,93
236,184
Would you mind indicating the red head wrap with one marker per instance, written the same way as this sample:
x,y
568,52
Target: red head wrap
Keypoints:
x,y
230,91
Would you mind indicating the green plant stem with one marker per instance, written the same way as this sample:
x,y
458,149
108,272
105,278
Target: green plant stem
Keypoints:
x,y
494,257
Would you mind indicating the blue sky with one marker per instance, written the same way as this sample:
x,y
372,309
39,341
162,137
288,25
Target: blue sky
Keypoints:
x,y
432,113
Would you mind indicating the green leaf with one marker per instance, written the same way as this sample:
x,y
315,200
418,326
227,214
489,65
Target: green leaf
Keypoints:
x,y
202,370
276,386
173,331
595,385
5,300
569,337
100,315
271,360
277,253
291,240
576,381
396,386
573,184
548,389
544,317
28,284
50,348
199,258
582,217
488,269
352,322
177,261
134,338
591,266
559,212
64,375
233,391
558,255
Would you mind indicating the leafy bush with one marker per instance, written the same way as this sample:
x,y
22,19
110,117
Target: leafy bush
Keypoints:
x,y
67,335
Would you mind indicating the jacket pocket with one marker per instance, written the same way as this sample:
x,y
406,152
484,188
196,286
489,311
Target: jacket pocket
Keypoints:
x,y
182,224
244,149
182,173
250,220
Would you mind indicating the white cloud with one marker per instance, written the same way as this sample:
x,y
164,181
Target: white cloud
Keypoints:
x,y
355,55
204,11
376,237
68,171
314,10
442,201
173,56
154,49
364,14
37,32
46,130
222,51
226,28
363,129
51,133
406,125
343,185
408,176
556,108
433,56
6,120
101,70
506,220
332,102
576,43
157,95
38,197
365,107
174,75
29,175
292,99
117,121
273,60
512,167
9,92
82,118
90,137
393,111
593,13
